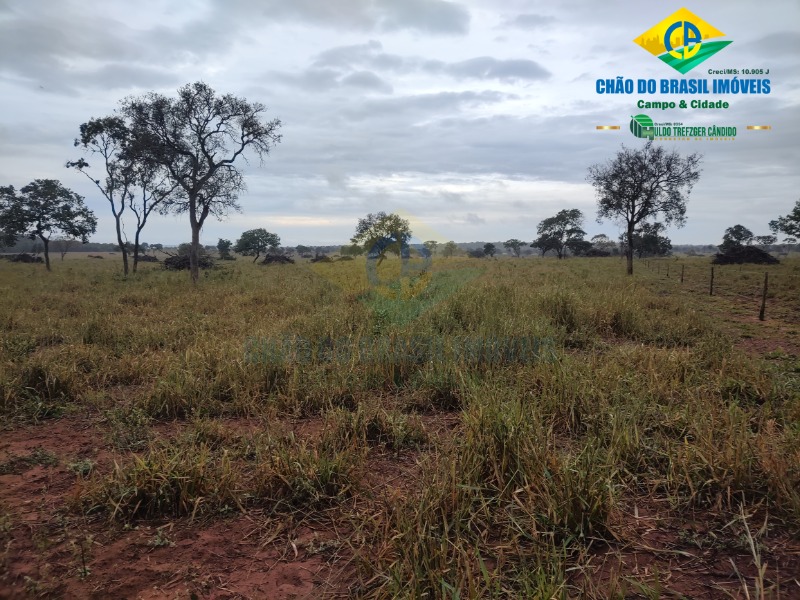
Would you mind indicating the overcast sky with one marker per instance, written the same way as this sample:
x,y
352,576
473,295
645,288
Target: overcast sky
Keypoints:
x,y
475,119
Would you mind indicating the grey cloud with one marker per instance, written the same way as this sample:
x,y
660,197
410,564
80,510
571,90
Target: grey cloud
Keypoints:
x,y
323,80
58,37
371,55
428,16
366,80
344,56
54,40
781,42
453,197
782,46
67,49
341,135
473,219
422,105
336,180
529,21
486,67
431,16
313,80
120,75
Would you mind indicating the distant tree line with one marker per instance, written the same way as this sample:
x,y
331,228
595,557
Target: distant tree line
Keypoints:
x,y
160,155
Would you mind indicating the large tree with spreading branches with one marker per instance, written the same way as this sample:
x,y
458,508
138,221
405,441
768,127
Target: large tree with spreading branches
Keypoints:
x,y
638,185
198,139
44,208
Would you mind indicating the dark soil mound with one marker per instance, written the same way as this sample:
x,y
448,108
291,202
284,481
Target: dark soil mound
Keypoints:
x,y
597,253
24,258
181,263
744,254
277,259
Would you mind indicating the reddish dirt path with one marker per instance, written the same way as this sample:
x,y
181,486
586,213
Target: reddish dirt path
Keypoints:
x,y
243,556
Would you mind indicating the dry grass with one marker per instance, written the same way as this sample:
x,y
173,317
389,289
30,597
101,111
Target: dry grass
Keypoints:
x,y
578,394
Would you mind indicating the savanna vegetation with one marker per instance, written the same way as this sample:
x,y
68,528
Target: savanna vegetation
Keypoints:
x,y
396,421
492,429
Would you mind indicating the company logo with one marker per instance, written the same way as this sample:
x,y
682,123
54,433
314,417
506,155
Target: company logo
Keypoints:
x,y
642,127
683,40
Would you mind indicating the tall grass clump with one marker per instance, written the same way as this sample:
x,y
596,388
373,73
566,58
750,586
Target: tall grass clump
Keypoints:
x,y
372,425
166,480
506,496
293,474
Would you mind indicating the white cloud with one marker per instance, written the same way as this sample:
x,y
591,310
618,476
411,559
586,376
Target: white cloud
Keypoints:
x,y
408,105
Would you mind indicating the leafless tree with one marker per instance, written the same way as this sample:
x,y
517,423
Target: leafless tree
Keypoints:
x,y
63,244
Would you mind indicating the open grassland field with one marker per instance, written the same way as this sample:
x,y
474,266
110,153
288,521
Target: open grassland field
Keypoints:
x,y
510,428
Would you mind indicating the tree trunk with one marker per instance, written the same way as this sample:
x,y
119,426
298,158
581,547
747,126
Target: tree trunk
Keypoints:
x,y
46,242
256,258
136,251
194,251
122,247
629,251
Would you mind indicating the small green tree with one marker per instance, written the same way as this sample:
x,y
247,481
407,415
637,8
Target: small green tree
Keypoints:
x,y
489,249
62,244
351,250
557,233
450,249
43,208
788,225
514,246
736,236
224,249
765,241
380,233
185,249
648,240
602,244
579,247
431,246
256,242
